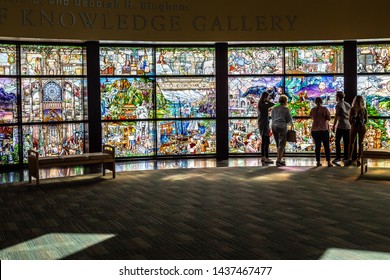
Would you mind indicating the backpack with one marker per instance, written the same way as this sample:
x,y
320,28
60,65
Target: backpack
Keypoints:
x,y
359,120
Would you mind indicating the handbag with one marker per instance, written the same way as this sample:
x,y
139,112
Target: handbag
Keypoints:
x,y
291,135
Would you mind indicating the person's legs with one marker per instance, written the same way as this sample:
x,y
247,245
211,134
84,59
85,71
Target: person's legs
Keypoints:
x,y
361,134
266,146
317,142
325,141
263,147
352,138
346,133
339,133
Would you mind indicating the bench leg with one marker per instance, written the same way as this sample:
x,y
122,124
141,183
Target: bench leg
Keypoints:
x,y
104,170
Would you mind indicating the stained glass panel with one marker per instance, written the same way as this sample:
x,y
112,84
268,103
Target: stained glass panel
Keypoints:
x,y
52,60
8,65
378,133
303,90
130,139
244,93
126,61
8,101
255,60
244,136
48,100
314,59
9,145
185,61
126,98
186,137
376,91
54,139
373,58
186,97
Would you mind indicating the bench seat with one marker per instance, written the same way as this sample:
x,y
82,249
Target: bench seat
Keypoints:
x,y
107,158
374,154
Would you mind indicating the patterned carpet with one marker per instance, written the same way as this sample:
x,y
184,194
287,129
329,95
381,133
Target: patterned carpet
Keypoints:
x,y
204,213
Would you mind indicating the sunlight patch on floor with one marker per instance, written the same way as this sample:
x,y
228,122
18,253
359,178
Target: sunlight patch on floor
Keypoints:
x,y
52,246
346,254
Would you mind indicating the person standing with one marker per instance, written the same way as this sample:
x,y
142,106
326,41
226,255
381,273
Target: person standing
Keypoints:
x,y
281,117
343,127
320,130
263,107
357,118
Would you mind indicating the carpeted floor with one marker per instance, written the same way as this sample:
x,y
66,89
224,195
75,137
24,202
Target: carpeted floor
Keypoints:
x,y
204,213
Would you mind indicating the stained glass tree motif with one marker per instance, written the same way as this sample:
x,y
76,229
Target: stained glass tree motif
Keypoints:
x,y
373,58
255,60
376,91
314,59
127,98
8,65
52,99
185,61
52,60
9,145
186,97
244,93
303,90
126,61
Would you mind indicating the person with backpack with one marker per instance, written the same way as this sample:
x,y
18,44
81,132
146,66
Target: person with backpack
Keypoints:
x,y
357,118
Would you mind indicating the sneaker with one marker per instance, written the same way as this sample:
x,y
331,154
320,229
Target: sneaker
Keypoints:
x,y
336,160
358,163
329,164
263,159
268,160
319,163
348,162
279,163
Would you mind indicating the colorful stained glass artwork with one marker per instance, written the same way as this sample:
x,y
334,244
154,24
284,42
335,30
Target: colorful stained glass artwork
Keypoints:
x,y
303,90
126,61
314,59
244,136
53,139
255,60
9,145
127,98
244,93
48,100
373,58
376,91
52,60
8,63
185,61
186,137
131,139
378,133
8,101
186,97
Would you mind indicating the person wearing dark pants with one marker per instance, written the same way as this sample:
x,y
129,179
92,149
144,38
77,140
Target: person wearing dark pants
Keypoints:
x,y
320,130
343,127
263,108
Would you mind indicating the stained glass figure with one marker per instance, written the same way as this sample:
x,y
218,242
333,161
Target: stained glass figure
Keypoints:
x,y
186,137
9,145
127,98
185,61
255,60
8,63
52,99
8,101
376,91
54,139
373,58
378,133
131,139
314,59
126,61
186,97
52,60
244,93
302,91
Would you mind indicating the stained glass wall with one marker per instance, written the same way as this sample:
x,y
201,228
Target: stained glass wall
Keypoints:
x,y
300,72
373,68
163,105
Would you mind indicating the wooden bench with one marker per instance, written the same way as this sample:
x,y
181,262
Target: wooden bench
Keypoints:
x,y
35,162
372,153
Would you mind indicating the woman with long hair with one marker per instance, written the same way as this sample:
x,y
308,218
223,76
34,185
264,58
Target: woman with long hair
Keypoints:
x,y
263,107
320,130
357,118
